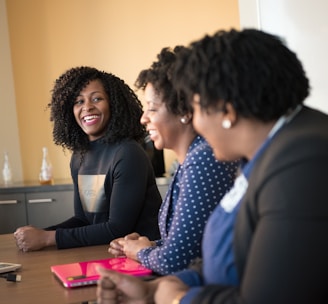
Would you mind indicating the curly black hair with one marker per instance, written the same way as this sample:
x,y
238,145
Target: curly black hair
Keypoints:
x,y
251,69
126,109
159,75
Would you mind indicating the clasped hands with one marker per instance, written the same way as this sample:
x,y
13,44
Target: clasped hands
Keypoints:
x,y
114,287
129,245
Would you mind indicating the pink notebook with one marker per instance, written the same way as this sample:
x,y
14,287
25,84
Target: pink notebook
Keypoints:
x,y
84,273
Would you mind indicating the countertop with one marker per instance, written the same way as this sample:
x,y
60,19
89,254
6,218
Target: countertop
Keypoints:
x,y
58,185
34,186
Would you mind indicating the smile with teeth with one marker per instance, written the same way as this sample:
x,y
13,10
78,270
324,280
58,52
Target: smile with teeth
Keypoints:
x,y
90,118
152,132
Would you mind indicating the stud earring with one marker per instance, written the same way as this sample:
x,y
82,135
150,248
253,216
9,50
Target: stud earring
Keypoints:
x,y
183,120
226,124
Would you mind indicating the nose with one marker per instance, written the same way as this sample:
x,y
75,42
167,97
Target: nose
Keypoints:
x,y
88,105
144,118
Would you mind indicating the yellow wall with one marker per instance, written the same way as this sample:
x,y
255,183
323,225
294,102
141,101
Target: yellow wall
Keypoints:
x,y
120,36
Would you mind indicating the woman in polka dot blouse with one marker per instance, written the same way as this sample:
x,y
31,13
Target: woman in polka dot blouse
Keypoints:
x,y
197,186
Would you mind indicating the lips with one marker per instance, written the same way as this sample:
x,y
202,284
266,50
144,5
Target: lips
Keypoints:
x,y
152,134
90,119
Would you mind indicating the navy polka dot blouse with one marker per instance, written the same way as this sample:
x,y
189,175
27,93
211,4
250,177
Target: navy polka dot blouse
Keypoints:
x,y
196,188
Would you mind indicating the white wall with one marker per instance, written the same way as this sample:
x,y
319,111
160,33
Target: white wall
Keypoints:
x,y
304,25
9,138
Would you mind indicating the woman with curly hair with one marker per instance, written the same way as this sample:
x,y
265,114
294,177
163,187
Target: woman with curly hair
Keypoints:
x,y
97,116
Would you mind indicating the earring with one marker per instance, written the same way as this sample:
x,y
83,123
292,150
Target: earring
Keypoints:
x,y
226,124
183,120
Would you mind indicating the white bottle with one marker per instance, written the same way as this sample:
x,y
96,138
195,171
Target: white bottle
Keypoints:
x,y
46,169
6,171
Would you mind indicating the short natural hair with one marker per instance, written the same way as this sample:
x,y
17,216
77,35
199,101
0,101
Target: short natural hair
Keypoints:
x,y
251,69
159,75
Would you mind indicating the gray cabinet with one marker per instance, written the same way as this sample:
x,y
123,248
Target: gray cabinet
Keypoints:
x,y
36,205
42,206
12,212
49,208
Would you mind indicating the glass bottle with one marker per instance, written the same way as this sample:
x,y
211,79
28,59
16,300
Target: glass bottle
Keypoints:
x,y
45,176
6,171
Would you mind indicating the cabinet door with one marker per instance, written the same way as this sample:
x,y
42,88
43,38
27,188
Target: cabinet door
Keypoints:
x,y
12,212
49,208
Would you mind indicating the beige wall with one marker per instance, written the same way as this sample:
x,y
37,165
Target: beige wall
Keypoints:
x,y
9,139
120,36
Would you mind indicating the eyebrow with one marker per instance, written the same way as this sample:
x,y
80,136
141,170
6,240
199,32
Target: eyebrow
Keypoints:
x,y
92,93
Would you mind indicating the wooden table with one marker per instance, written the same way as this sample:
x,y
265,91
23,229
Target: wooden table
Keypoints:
x,y
38,284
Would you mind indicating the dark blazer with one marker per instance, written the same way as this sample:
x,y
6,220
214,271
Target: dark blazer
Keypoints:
x,y
281,233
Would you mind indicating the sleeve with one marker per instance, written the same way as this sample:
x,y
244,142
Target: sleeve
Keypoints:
x,y
203,183
130,181
70,223
134,190
191,277
287,258
159,242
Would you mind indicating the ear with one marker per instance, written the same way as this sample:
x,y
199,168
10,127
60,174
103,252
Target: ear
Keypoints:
x,y
189,116
230,113
185,119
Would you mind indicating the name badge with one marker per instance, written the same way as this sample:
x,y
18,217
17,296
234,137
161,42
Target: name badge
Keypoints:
x,y
232,198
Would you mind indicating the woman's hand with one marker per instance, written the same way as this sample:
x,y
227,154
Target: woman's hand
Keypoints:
x,y
114,287
116,247
168,289
131,246
29,238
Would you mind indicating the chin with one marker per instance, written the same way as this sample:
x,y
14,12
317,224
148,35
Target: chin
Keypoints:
x,y
221,157
158,146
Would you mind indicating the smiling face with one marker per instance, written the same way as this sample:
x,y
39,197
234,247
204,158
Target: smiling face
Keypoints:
x,y
91,110
163,126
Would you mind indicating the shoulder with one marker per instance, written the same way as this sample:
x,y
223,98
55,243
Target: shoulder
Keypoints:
x,y
122,146
200,147
302,141
129,147
304,137
200,159
307,125
130,151
201,153
75,160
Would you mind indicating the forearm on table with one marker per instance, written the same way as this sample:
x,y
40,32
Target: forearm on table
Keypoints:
x,y
50,238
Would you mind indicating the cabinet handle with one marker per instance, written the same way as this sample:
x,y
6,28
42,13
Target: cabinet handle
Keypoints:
x,y
8,202
41,200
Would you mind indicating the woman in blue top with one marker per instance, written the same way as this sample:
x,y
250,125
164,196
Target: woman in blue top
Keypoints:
x,y
198,184
247,90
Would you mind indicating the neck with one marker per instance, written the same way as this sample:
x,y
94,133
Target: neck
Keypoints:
x,y
182,147
254,135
